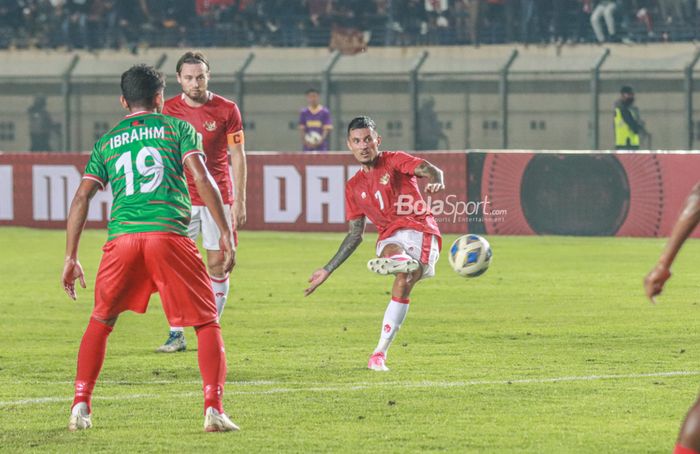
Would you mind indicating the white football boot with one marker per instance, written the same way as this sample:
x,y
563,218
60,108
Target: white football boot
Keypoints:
x,y
377,362
393,265
218,422
79,417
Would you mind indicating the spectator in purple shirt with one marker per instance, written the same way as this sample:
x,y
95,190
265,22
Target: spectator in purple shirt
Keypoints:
x,y
315,123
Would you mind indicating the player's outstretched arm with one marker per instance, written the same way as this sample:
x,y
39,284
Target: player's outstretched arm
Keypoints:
x,y
77,216
435,177
212,199
347,247
686,223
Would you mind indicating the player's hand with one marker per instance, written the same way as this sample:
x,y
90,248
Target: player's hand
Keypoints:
x,y
317,278
226,246
655,280
238,213
432,188
72,270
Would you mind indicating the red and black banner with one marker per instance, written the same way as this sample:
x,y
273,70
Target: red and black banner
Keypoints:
x,y
593,194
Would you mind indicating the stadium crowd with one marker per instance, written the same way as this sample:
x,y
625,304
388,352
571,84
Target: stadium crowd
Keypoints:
x,y
95,24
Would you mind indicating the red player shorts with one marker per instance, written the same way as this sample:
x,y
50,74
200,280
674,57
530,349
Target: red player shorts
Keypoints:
x,y
136,265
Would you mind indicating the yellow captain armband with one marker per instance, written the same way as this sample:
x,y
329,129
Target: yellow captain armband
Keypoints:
x,y
237,138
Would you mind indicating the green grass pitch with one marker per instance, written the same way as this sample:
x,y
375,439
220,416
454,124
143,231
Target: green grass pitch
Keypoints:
x,y
553,350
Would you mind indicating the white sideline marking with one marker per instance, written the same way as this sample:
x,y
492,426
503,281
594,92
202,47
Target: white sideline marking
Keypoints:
x,y
155,382
351,386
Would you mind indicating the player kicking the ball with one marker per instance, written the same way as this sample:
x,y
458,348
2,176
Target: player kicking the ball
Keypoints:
x,y
219,123
144,159
689,437
409,240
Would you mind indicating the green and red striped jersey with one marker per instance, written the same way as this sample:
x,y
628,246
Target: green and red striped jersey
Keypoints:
x,y
142,159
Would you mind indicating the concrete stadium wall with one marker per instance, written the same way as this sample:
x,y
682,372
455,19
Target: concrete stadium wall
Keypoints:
x,y
549,93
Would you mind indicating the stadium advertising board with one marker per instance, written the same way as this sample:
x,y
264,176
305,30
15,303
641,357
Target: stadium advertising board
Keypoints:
x,y
509,193
297,192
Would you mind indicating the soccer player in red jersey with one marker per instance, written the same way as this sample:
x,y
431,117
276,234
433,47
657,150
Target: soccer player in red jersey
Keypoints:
x,y
144,159
689,437
409,240
219,123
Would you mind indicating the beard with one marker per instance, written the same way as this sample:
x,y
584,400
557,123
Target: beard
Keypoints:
x,y
197,95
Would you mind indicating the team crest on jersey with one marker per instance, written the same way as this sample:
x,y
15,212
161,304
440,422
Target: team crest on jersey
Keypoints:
x,y
210,125
384,179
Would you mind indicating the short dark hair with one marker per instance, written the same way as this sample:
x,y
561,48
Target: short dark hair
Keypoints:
x,y
362,122
192,58
626,89
311,90
140,85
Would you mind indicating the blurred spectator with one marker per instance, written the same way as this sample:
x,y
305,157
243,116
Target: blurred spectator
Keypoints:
x,y
475,8
129,16
411,22
531,24
677,11
40,125
319,21
460,14
563,12
349,25
604,10
430,128
643,15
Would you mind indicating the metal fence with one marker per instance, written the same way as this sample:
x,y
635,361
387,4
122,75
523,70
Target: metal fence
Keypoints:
x,y
552,97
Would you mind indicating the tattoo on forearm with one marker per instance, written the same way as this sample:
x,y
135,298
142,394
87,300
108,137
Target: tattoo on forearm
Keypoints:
x,y
426,169
349,244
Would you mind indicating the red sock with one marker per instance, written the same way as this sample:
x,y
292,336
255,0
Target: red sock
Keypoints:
x,y
683,450
90,358
212,364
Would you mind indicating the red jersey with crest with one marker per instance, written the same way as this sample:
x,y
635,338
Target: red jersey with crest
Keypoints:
x,y
219,122
383,194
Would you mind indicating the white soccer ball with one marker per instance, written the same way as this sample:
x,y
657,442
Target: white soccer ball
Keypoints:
x,y
470,255
313,137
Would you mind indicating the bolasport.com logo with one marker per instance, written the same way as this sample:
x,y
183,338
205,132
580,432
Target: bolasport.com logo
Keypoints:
x,y
450,209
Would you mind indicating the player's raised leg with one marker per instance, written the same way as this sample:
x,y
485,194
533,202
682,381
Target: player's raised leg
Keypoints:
x,y
397,309
393,264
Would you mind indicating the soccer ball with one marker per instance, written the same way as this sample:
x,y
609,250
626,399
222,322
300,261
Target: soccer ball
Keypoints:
x,y
470,255
313,137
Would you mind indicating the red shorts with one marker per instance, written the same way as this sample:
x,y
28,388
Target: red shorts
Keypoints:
x,y
136,265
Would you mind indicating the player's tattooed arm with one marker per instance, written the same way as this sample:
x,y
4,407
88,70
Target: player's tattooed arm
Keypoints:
x,y
349,244
436,181
347,247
